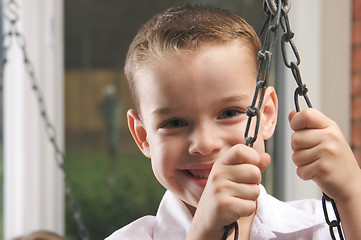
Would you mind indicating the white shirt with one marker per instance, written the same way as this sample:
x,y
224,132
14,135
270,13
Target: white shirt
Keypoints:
x,y
301,220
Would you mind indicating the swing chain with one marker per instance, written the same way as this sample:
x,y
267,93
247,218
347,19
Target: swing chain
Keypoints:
x,y
301,90
334,223
269,32
287,37
276,14
8,37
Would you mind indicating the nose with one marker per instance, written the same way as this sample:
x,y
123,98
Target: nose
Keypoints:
x,y
205,140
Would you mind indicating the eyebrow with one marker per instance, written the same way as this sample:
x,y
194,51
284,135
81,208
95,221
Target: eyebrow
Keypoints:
x,y
235,98
169,110
163,111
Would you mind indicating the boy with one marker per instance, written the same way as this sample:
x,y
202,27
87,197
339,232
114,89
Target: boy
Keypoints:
x,y
192,73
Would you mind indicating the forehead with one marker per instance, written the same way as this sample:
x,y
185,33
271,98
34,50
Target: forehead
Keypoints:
x,y
230,67
233,52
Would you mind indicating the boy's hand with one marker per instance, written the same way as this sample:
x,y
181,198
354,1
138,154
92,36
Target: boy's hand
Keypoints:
x,y
322,154
231,192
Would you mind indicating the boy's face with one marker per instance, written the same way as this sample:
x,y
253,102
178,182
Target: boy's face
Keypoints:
x,y
193,108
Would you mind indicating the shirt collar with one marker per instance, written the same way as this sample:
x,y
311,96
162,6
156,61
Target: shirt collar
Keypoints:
x,y
173,218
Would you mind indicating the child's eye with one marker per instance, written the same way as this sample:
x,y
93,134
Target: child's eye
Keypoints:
x,y
174,123
230,113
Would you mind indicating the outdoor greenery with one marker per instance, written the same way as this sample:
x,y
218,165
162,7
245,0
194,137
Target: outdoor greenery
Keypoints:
x,y
111,195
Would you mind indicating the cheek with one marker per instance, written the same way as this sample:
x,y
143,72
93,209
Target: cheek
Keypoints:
x,y
166,158
235,133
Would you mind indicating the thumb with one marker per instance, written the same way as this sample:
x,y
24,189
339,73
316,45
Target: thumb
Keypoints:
x,y
265,160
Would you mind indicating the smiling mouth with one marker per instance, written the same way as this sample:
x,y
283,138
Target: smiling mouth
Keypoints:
x,y
199,173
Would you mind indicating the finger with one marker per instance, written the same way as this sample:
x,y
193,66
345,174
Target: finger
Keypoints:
x,y
240,154
243,191
309,171
309,118
265,160
243,173
291,115
305,139
305,157
318,171
241,207
305,172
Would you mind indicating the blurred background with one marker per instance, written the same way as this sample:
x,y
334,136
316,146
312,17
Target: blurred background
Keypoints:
x,y
112,181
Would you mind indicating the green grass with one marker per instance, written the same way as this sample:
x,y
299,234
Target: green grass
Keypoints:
x,y
110,194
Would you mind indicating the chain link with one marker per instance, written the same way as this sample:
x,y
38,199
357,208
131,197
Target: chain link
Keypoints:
x,y
333,223
12,17
276,14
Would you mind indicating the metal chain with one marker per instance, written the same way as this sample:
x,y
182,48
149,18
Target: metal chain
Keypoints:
x,y
276,14
301,91
269,31
334,223
12,16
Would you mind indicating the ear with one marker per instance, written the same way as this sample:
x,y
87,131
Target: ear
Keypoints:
x,y
138,131
269,112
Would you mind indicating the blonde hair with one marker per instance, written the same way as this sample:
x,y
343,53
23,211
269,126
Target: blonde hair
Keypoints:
x,y
186,27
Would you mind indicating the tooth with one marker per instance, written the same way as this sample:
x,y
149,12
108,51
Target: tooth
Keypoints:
x,y
203,174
